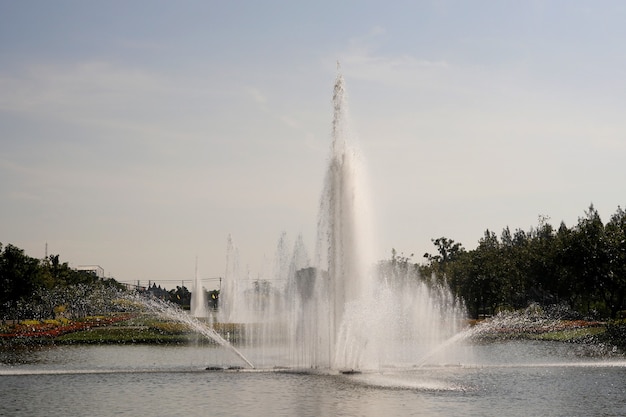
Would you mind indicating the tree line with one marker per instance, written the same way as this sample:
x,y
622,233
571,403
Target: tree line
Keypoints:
x,y
582,268
182,296
32,288
43,288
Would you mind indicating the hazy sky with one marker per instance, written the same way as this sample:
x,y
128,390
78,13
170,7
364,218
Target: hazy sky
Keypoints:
x,y
137,135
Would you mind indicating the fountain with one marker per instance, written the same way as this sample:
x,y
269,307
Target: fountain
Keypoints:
x,y
380,325
198,305
342,311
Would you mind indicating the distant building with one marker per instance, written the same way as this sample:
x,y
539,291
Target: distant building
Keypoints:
x,y
97,270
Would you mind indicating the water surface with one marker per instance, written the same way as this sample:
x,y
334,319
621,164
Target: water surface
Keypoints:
x,y
513,379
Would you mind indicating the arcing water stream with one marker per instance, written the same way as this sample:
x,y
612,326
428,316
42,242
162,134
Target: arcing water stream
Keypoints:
x,y
174,313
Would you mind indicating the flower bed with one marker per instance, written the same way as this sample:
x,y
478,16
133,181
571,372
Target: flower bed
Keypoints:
x,y
49,329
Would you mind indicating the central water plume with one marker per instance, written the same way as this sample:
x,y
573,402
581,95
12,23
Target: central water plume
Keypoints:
x,y
341,265
343,310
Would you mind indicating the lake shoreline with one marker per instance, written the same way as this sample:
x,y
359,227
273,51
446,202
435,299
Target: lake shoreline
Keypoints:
x,y
138,329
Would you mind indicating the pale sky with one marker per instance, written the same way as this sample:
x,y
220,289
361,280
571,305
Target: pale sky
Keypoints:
x,y
137,135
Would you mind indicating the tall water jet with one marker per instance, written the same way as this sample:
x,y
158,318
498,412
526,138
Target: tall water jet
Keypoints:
x,y
342,310
341,265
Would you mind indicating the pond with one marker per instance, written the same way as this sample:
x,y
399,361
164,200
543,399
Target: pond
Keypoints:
x,y
514,378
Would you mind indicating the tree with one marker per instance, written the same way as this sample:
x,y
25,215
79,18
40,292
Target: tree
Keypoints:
x,y
393,271
590,259
489,273
564,257
17,276
181,296
613,283
448,252
542,270
514,249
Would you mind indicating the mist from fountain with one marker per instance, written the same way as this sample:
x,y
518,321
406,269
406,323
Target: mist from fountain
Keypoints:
x,y
342,310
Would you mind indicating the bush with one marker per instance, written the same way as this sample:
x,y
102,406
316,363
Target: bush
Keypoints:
x,y
616,333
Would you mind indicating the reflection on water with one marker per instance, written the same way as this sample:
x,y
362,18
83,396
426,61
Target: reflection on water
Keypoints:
x,y
513,378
